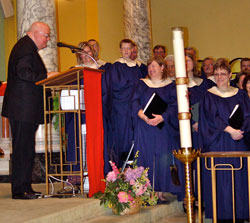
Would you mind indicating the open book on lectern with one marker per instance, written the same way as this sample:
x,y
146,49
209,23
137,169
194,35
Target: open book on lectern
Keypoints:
x,y
155,105
236,118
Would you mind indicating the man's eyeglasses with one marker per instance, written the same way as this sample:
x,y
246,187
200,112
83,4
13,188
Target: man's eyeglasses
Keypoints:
x,y
44,34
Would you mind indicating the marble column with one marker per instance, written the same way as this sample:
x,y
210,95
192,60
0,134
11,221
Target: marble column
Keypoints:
x,y
28,12
137,25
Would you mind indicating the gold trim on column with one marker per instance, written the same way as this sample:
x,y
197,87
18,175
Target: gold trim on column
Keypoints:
x,y
181,80
184,115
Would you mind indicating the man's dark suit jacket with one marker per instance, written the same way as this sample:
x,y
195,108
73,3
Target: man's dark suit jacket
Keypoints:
x,y
23,100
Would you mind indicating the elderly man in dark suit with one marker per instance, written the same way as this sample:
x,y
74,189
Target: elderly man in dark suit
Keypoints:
x,y
23,105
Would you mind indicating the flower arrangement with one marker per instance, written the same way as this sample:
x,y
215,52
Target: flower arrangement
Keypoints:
x,y
123,189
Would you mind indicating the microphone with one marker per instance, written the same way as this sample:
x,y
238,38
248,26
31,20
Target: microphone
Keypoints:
x,y
77,50
60,44
86,54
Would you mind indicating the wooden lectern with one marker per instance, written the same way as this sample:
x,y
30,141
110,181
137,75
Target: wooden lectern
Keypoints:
x,y
72,81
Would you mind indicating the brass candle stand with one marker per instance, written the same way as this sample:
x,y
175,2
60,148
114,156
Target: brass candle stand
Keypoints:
x,y
187,156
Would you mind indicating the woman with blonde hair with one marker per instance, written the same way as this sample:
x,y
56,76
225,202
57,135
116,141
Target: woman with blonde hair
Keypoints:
x,y
85,58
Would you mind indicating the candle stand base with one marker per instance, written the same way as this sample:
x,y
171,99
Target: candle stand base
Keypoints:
x,y
187,156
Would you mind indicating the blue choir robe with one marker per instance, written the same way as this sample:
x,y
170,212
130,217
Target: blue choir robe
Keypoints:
x,y
72,130
197,91
106,109
143,68
195,81
215,110
122,77
197,88
155,145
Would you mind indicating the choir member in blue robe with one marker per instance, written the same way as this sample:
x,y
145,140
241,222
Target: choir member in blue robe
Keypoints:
x,y
197,87
96,48
84,60
105,97
106,109
238,80
215,134
134,53
123,75
71,119
170,67
143,68
246,87
207,68
193,80
155,145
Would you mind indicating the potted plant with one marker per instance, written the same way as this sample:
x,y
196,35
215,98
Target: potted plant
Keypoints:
x,y
127,191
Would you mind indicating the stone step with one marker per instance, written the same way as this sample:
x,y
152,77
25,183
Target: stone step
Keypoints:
x,y
147,215
175,218
47,210
76,209
87,209
5,165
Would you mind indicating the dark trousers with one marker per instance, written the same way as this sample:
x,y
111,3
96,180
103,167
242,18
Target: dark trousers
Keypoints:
x,y
23,155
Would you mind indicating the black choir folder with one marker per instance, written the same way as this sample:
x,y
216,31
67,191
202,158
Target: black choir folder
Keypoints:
x,y
236,118
157,106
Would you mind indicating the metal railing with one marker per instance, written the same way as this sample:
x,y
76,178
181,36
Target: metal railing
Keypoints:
x,y
221,167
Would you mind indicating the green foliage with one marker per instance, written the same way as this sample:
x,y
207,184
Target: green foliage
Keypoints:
x,y
123,188
56,116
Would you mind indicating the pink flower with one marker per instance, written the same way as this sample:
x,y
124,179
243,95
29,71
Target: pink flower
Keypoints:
x,y
132,203
132,182
123,197
115,169
111,177
130,198
147,183
140,191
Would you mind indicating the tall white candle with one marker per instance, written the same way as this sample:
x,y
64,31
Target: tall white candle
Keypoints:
x,y
182,89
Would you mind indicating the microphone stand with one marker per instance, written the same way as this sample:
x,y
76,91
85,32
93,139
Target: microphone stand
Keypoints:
x,y
84,53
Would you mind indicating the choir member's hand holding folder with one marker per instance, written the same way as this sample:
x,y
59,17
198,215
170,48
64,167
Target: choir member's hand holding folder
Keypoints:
x,y
236,118
155,105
